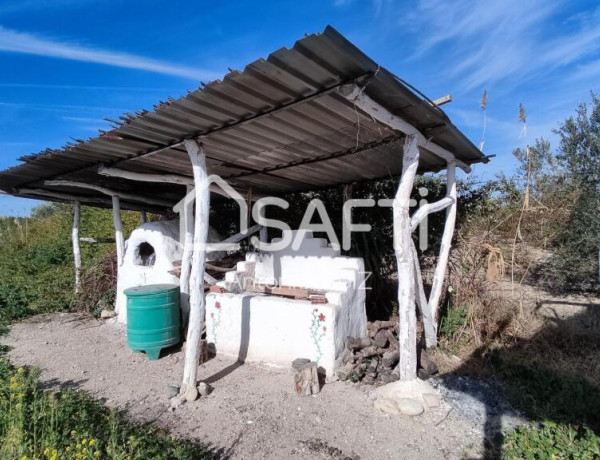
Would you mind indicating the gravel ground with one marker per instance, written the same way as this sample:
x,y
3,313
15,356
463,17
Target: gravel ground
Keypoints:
x,y
253,412
482,402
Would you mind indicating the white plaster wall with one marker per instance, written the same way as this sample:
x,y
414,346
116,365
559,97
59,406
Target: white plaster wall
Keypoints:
x,y
164,238
274,330
271,330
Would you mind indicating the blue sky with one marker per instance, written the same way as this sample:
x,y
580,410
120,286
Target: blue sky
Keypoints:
x,y
66,64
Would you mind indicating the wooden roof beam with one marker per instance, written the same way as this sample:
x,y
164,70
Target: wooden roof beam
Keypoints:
x,y
106,191
356,95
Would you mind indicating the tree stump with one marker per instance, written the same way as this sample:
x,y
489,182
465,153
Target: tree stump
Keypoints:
x,y
307,379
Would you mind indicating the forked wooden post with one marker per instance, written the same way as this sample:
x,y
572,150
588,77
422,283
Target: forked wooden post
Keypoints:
x,y
197,299
403,247
429,323
76,249
187,215
442,264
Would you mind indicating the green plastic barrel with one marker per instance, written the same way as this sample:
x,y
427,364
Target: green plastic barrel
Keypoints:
x,y
152,318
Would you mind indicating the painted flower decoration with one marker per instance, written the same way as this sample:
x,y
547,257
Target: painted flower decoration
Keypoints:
x,y
217,305
321,317
324,329
212,315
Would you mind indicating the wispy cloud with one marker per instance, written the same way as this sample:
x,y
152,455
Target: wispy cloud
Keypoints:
x,y
490,42
62,107
84,87
25,43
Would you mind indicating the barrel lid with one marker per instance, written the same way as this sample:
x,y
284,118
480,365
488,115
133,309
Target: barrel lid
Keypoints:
x,y
150,289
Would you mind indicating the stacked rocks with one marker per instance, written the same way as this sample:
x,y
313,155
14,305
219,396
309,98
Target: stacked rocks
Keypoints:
x,y
372,360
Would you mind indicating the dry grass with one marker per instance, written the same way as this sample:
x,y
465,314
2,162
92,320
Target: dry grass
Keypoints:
x,y
98,286
523,323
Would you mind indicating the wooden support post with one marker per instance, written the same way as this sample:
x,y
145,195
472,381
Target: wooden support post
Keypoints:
x,y
76,249
120,242
143,217
442,264
187,215
263,235
249,207
429,324
407,319
197,299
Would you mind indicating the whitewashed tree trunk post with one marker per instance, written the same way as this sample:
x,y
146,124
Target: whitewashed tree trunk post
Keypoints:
x,y
442,263
187,215
120,242
197,299
429,324
407,318
76,248
263,235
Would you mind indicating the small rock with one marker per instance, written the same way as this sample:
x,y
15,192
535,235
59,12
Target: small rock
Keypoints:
x,y
357,343
177,401
369,352
107,314
191,394
204,389
381,338
172,390
373,366
390,359
387,406
345,372
299,362
427,364
387,324
391,377
409,406
431,400
368,379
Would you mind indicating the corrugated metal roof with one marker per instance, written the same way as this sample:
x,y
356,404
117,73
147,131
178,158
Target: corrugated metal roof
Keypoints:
x,y
278,126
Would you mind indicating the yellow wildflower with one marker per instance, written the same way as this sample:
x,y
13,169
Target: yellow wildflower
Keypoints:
x,y
97,454
92,442
24,457
20,370
73,433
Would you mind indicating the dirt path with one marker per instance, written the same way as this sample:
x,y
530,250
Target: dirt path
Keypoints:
x,y
253,412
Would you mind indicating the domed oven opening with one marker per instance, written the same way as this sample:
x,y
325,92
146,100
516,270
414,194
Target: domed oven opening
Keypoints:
x,y
145,255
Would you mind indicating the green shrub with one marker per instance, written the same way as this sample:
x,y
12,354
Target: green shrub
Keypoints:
x,y
551,441
453,322
36,263
48,425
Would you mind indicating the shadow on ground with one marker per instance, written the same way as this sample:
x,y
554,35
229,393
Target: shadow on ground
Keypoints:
x,y
550,377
